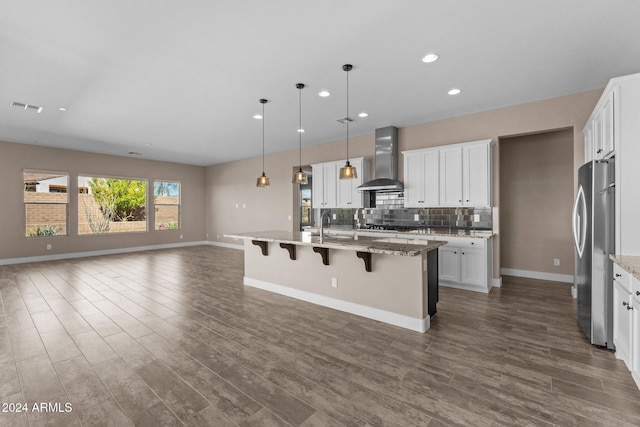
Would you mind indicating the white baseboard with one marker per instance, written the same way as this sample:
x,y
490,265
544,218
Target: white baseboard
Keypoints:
x,y
225,245
555,277
418,325
496,283
71,255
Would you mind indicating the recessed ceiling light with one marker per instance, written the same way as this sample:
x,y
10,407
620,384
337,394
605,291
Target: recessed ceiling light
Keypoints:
x,y
324,93
301,130
363,114
432,57
454,91
257,116
62,109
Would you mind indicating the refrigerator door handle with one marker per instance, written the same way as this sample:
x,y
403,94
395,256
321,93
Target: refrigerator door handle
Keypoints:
x,y
579,225
605,189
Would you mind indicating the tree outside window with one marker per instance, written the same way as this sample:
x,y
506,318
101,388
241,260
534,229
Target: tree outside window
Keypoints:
x,y
111,205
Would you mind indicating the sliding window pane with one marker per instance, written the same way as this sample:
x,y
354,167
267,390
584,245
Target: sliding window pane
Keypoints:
x,y
45,203
166,196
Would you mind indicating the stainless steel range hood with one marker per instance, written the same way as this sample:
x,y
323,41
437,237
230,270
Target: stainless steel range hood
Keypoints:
x,y
386,163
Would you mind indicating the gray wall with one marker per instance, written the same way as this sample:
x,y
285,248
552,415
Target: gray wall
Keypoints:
x,y
16,157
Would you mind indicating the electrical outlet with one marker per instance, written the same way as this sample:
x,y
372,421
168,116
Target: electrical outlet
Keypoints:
x,y
556,262
236,206
334,216
244,206
334,282
181,236
289,217
476,217
416,217
207,235
49,246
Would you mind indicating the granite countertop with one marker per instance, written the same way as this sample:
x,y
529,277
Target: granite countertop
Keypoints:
x,y
409,234
629,263
360,244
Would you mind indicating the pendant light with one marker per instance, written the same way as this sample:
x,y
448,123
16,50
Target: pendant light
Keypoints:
x,y
348,171
263,181
300,177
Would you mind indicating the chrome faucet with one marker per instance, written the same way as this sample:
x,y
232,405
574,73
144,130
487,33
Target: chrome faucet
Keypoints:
x,y
322,224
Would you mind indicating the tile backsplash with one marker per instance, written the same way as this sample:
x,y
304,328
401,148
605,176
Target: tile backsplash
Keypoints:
x,y
390,211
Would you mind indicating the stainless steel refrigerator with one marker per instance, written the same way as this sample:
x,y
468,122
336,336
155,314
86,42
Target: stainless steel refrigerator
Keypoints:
x,y
593,232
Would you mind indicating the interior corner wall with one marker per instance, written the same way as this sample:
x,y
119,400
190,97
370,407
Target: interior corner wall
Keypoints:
x,y
16,157
536,193
233,184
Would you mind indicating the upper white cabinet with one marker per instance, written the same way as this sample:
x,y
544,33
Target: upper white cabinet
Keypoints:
x,y
422,179
348,195
613,129
476,176
448,176
328,191
451,176
324,190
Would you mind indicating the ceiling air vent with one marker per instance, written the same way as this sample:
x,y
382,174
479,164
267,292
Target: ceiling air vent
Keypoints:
x,y
26,107
344,120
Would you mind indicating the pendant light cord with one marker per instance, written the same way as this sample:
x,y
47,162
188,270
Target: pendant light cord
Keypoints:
x,y
347,120
263,138
300,126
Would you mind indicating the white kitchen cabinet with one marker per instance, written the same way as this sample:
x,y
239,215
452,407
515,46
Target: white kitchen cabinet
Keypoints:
x,y
473,267
422,179
324,185
449,264
622,315
601,127
635,333
348,196
449,176
614,128
476,175
328,191
466,263
588,142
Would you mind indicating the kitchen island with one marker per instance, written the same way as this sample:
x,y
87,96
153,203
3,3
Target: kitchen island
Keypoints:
x,y
393,283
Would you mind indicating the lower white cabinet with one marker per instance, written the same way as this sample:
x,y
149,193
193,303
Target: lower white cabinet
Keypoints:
x,y
466,263
622,314
635,334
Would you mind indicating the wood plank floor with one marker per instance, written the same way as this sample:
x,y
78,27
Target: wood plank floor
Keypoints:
x,y
173,338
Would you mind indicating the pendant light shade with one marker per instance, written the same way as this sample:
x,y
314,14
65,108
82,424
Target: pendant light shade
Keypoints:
x,y
300,177
348,171
263,181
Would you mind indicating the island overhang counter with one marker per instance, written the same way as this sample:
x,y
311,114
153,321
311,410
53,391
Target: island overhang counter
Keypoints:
x,y
389,282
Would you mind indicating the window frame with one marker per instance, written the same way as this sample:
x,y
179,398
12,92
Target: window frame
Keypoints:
x,y
79,191
156,205
32,184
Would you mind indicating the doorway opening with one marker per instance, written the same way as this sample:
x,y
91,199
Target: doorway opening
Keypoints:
x,y
536,200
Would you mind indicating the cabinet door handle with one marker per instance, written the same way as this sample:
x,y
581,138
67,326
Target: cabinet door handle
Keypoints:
x,y
638,293
473,243
618,275
626,304
455,252
462,253
599,150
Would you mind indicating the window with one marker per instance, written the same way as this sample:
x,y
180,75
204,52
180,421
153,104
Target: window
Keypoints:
x,y
45,211
166,197
111,205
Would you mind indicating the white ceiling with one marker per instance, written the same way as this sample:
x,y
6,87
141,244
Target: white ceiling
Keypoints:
x,y
186,76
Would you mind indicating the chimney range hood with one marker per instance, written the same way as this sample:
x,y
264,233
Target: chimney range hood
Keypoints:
x,y
386,163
